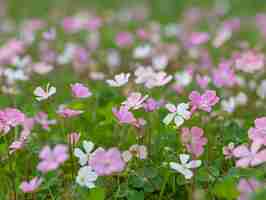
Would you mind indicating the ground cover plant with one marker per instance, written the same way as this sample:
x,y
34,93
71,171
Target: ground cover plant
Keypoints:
x,y
116,105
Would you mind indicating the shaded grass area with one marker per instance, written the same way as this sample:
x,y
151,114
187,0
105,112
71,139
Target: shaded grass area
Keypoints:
x,y
163,10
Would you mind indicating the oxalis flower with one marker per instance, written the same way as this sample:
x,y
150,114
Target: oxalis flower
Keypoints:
x,y
194,140
106,162
249,157
86,177
10,117
80,91
246,187
43,94
84,156
119,80
185,166
258,133
178,113
31,186
135,101
203,102
51,159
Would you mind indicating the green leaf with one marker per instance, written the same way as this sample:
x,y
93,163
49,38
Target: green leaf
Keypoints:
x,y
226,189
136,195
97,194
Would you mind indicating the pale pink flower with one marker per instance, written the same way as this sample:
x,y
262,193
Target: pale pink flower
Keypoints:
x,y
31,186
106,162
50,34
42,119
51,159
73,138
203,102
80,91
65,112
249,157
124,39
135,100
198,38
246,187
228,150
42,68
194,140
258,133
224,75
10,117
124,116
250,61
203,81
151,105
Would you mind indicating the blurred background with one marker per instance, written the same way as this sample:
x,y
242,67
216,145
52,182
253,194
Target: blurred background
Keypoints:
x,y
162,10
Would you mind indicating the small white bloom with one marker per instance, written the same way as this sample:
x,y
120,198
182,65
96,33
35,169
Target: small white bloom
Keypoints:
x,y
229,105
183,78
42,94
185,166
178,113
119,80
142,52
160,62
261,90
84,157
86,177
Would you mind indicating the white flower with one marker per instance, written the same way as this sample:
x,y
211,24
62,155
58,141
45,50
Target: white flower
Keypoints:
x,y
67,55
229,105
142,52
86,177
42,94
178,113
241,98
185,166
261,90
160,62
113,59
21,62
183,78
119,80
84,157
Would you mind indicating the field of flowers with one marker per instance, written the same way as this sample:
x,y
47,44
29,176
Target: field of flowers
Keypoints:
x,y
122,103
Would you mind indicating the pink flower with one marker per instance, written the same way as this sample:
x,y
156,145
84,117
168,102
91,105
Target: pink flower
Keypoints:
x,y
194,140
198,38
203,102
67,112
107,162
202,81
51,159
224,75
258,133
10,117
31,186
42,68
134,100
73,138
80,91
250,61
151,105
228,150
124,39
124,116
42,119
249,157
246,187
